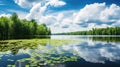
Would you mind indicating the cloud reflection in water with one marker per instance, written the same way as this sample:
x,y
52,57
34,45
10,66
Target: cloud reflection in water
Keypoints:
x,y
98,52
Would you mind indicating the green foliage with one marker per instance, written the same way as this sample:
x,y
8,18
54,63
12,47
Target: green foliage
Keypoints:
x,y
14,27
97,31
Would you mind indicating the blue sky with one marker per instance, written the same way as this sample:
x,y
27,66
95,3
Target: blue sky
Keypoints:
x,y
78,4
66,15
5,5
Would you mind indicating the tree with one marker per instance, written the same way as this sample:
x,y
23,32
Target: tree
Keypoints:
x,y
97,31
14,27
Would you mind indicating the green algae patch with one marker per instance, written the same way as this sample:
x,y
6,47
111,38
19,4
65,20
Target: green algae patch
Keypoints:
x,y
54,42
41,51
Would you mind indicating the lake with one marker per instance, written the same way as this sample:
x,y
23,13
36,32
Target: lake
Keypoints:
x,y
62,51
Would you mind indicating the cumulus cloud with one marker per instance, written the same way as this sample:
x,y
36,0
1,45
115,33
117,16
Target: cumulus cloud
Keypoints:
x,y
38,10
26,3
66,23
94,15
110,14
89,13
98,13
56,3
48,20
117,23
31,3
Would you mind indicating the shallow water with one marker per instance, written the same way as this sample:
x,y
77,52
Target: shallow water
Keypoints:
x,y
85,51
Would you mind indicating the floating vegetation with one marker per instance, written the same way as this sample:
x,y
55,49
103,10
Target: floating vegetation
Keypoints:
x,y
15,45
11,66
41,51
41,59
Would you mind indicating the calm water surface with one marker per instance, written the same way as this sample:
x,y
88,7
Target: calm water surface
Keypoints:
x,y
84,51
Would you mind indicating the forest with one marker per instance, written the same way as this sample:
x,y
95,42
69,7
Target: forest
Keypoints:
x,y
16,28
96,31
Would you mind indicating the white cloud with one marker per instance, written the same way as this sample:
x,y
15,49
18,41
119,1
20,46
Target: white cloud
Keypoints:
x,y
92,25
35,12
117,23
98,13
89,13
27,3
95,15
5,15
66,23
60,16
21,14
32,3
110,14
56,3
48,20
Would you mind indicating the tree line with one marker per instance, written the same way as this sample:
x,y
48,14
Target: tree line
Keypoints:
x,y
97,31
15,28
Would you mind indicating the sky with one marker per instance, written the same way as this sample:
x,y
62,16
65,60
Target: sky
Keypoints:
x,y
66,15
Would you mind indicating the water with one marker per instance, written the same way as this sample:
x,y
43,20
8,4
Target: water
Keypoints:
x,y
84,51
